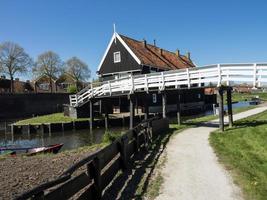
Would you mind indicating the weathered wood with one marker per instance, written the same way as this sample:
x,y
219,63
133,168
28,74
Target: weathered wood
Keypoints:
x,y
91,104
221,110
130,148
229,106
107,154
69,188
96,174
178,109
88,194
123,151
131,99
164,104
109,174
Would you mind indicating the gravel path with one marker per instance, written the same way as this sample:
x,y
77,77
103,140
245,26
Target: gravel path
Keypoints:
x,y
192,170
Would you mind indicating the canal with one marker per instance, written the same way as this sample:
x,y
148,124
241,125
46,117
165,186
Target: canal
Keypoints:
x,y
71,139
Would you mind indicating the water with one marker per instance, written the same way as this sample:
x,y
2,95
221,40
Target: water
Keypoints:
x,y
71,139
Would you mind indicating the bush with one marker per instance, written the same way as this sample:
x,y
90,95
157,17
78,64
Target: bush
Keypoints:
x,y
72,89
110,137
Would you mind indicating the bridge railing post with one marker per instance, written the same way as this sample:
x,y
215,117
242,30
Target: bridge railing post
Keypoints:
x,y
219,75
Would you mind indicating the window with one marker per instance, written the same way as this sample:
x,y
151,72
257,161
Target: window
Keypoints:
x,y
44,86
117,57
154,98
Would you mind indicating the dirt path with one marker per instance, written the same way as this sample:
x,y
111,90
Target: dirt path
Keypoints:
x,y
192,170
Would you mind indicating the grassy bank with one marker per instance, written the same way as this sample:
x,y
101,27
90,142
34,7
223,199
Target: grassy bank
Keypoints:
x,y
247,96
243,150
52,118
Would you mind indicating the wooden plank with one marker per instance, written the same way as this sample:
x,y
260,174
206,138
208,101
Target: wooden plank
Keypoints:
x,y
130,148
88,194
110,173
107,154
70,188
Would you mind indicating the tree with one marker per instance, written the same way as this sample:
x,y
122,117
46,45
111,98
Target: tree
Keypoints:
x,y
78,70
13,60
48,64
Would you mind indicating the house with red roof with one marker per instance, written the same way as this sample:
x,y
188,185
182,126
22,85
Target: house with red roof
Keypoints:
x,y
125,56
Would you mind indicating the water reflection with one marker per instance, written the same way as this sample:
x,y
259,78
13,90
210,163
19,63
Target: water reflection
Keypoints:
x,y
71,139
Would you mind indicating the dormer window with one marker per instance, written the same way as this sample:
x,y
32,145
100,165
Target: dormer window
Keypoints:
x,y
117,57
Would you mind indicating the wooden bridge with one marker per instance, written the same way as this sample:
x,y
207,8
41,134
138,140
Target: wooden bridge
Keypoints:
x,y
220,76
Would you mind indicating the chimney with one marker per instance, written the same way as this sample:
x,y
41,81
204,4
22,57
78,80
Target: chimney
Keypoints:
x,y
144,43
16,79
160,51
177,52
188,55
27,81
3,77
154,42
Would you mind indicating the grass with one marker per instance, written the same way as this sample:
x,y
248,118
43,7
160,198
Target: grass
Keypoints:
x,y
247,96
52,118
243,150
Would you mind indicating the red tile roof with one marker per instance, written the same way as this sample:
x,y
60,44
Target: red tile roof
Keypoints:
x,y
156,57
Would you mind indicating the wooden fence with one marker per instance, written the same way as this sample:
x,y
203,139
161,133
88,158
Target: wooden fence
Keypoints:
x,y
97,170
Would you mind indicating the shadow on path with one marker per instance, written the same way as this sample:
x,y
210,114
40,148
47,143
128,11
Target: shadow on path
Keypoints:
x,y
134,182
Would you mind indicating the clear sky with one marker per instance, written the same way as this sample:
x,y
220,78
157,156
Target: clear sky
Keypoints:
x,y
217,31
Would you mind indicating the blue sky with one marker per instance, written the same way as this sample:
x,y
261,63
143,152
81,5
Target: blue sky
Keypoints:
x,y
213,31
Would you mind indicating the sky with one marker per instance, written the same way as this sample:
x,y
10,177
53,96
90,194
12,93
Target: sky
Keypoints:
x,y
217,31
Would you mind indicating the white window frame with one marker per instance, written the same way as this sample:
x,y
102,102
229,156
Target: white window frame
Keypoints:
x,y
115,58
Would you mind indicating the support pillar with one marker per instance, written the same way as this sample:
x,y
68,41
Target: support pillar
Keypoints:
x,y
229,106
132,101
179,109
146,107
164,104
91,104
106,113
221,110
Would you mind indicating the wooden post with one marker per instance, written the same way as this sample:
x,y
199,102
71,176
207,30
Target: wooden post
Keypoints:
x,y
131,98
91,104
178,109
146,108
221,110
97,178
229,106
106,114
164,102
123,152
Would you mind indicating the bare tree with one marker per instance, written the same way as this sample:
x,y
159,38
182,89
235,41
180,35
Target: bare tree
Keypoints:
x,y
13,60
78,70
48,64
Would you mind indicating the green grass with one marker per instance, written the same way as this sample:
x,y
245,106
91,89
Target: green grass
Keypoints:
x,y
247,96
243,150
52,118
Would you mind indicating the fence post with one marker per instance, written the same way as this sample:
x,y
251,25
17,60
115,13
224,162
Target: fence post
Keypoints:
x,y
219,75
255,75
123,151
136,140
96,173
188,78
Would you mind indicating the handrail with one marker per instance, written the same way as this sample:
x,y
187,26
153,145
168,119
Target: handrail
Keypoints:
x,y
254,74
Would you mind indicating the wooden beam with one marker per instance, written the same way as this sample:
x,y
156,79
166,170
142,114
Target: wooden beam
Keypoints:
x,y
229,106
178,108
146,106
164,104
132,101
91,104
221,110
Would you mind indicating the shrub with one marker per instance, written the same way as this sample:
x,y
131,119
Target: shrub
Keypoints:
x,y
72,89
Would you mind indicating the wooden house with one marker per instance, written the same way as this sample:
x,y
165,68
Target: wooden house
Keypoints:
x,y
125,56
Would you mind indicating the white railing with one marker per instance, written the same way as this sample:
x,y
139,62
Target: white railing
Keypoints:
x,y
208,76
